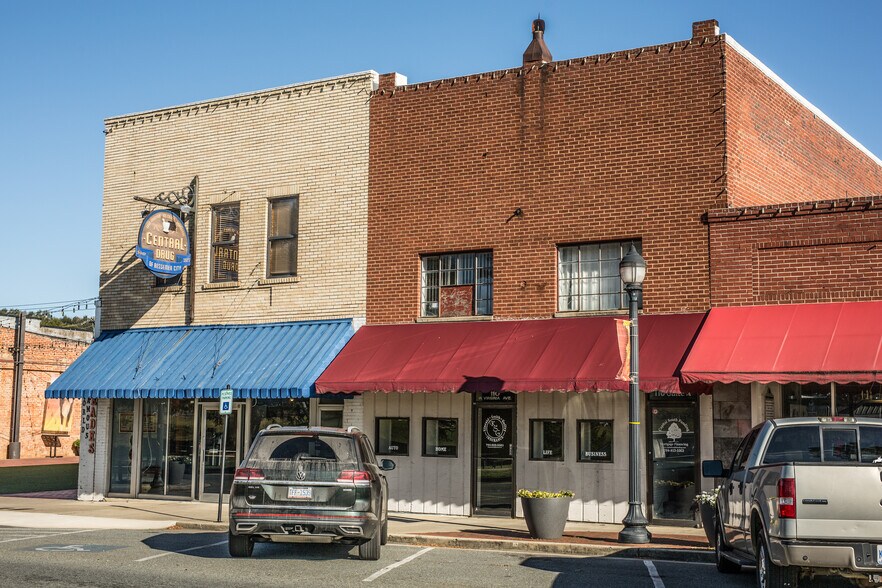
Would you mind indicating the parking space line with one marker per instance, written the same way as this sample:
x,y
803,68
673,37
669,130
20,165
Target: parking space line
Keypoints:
x,y
391,567
45,536
182,550
653,573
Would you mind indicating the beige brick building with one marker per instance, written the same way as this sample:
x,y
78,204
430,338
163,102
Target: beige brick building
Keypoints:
x,y
308,140
274,186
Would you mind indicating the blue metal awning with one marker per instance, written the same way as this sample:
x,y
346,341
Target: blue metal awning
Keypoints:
x,y
278,360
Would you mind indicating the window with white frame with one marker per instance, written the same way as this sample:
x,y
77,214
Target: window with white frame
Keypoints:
x,y
457,284
588,276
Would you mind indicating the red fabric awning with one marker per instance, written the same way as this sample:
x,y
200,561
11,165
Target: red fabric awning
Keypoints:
x,y
574,354
801,343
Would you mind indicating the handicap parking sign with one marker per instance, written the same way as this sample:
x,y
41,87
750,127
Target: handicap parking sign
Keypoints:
x,y
226,401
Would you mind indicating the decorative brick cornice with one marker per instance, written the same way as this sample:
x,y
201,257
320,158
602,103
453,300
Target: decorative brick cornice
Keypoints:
x,y
553,66
767,211
237,101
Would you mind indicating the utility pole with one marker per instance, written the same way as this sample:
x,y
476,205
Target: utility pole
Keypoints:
x,y
13,450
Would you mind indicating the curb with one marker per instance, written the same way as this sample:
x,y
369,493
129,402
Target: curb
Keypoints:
x,y
202,526
663,553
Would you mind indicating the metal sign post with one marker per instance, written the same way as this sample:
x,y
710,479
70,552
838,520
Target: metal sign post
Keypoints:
x,y
226,407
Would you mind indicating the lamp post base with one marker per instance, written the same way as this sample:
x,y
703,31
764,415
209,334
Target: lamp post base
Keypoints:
x,y
635,534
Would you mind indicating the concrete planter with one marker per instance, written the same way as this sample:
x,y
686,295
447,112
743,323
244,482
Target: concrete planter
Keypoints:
x,y
546,517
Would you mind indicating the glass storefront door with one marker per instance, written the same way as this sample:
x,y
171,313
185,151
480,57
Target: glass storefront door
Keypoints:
x,y
673,448
211,453
493,470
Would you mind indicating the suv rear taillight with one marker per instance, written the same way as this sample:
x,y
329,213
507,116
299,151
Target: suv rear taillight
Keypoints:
x,y
357,477
787,498
249,474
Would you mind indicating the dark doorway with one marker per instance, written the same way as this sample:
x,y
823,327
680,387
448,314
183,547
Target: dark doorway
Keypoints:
x,y
495,448
673,457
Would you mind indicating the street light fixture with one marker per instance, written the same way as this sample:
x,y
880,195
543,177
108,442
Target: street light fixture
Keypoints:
x,y
632,269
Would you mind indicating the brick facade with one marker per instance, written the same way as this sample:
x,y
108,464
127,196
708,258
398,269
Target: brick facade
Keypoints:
x,y
48,352
633,144
797,253
779,150
308,139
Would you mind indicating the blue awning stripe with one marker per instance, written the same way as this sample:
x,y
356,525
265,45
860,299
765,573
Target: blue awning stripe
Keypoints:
x,y
278,360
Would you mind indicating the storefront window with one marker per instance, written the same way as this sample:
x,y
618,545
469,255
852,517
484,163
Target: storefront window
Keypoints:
x,y
180,447
154,428
595,441
393,436
440,437
331,411
546,440
288,412
859,400
806,400
121,446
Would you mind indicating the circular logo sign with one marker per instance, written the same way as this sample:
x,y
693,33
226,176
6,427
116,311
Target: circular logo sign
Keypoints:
x,y
163,244
495,428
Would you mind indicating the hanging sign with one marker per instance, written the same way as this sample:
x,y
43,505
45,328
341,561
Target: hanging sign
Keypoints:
x,y
163,244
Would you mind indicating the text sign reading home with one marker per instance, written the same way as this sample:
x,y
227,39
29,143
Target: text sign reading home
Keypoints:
x,y
163,244
226,401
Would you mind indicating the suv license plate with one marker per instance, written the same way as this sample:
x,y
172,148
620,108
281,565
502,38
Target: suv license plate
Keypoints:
x,y
299,493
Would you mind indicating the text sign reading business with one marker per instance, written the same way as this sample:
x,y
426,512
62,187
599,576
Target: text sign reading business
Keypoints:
x,y
163,244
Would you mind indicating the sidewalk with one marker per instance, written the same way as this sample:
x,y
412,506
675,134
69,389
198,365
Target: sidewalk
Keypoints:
x,y
62,510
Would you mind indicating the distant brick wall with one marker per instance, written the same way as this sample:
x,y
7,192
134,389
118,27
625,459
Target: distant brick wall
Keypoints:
x,y
779,151
811,252
612,147
45,358
309,140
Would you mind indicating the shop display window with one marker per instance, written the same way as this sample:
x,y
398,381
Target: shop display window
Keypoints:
x,y
393,436
440,437
547,439
595,441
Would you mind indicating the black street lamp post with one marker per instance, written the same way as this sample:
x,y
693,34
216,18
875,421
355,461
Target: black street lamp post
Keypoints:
x,y
632,269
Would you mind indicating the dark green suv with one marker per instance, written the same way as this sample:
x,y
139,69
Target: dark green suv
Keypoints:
x,y
310,485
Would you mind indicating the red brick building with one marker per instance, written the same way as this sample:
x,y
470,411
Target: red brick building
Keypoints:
x,y
48,352
512,196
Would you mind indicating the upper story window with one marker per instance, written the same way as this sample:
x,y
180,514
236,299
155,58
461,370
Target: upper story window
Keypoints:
x,y
457,284
588,276
225,243
282,237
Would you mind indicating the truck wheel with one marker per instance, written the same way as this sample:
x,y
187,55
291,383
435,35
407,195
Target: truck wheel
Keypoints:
x,y
370,550
241,545
724,564
770,575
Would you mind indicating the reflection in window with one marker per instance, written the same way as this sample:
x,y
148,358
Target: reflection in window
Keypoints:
x,y
393,436
800,443
871,444
596,441
288,412
180,447
154,428
282,239
546,440
840,445
121,445
440,437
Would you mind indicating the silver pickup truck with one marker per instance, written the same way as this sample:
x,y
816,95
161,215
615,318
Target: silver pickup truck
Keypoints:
x,y
803,497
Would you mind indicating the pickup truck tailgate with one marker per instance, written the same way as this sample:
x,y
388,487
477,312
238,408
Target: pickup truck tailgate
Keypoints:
x,y
834,501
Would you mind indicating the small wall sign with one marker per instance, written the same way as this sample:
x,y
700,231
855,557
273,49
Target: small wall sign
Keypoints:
x,y
163,244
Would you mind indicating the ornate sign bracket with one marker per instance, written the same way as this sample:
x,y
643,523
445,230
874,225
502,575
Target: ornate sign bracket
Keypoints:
x,y
182,200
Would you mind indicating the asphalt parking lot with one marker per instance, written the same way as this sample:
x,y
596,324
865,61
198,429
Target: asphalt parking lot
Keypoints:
x,y
83,557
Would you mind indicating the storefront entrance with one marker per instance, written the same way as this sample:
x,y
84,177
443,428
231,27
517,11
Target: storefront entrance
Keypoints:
x,y
212,460
495,443
673,452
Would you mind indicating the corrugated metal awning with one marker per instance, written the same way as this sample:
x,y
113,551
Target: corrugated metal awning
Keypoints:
x,y
278,360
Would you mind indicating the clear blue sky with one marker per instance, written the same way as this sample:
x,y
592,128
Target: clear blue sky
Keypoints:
x,y
65,66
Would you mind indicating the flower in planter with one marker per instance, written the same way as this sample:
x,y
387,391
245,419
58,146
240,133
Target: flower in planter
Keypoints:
x,y
75,447
708,496
524,493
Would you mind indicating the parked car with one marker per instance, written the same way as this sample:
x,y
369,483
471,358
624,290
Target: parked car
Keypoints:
x,y
310,485
802,498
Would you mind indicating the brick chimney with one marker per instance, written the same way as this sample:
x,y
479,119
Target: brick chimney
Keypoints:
x,y
537,52
705,28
